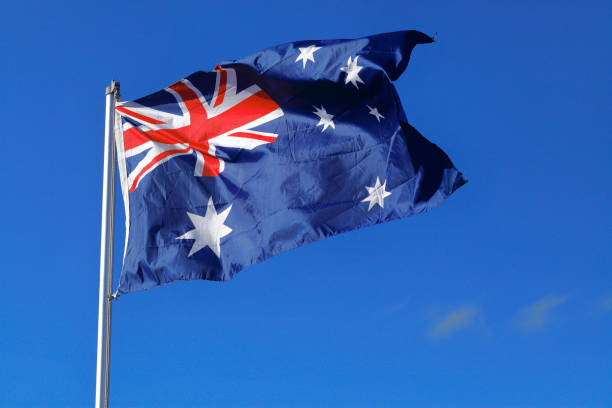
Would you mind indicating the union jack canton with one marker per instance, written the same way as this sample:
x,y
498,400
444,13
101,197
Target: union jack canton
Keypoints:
x,y
298,142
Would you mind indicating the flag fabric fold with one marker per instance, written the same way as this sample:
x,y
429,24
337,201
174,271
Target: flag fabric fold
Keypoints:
x,y
293,144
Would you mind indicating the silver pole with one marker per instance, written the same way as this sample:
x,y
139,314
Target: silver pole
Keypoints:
x,y
106,251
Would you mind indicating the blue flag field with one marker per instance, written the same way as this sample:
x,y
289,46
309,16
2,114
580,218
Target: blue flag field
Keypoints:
x,y
296,143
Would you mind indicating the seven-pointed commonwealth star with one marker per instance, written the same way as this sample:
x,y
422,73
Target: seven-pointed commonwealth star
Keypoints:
x,y
374,112
307,54
352,72
325,118
208,230
377,194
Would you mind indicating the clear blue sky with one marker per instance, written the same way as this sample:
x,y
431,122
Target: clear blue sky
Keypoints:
x,y
501,297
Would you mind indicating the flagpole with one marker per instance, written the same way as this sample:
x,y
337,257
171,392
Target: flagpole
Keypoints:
x,y
106,251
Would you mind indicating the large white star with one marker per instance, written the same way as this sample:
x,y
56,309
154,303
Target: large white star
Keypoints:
x,y
374,112
377,194
352,72
307,54
208,230
325,118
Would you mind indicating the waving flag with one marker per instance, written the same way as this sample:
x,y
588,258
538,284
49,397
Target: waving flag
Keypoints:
x,y
298,142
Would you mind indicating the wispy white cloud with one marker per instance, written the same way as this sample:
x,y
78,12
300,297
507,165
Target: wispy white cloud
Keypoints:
x,y
537,315
455,320
607,303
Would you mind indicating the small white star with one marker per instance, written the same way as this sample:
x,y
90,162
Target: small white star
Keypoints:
x,y
374,112
208,230
377,194
307,54
325,118
352,72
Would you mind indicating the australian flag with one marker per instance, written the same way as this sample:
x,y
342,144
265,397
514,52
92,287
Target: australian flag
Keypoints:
x,y
296,143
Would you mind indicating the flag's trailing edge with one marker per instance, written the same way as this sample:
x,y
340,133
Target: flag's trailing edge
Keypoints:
x,y
298,142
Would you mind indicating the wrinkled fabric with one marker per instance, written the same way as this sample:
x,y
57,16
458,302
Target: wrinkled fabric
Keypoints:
x,y
307,184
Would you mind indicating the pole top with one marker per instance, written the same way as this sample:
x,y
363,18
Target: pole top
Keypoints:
x,y
113,88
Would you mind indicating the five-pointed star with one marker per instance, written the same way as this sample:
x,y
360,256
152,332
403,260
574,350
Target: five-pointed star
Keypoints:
x,y
374,112
377,194
208,230
307,54
325,118
352,72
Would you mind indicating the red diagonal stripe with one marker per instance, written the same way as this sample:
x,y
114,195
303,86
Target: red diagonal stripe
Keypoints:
x,y
138,116
255,136
155,160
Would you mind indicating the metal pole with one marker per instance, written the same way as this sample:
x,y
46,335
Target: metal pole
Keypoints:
x,y
106,251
